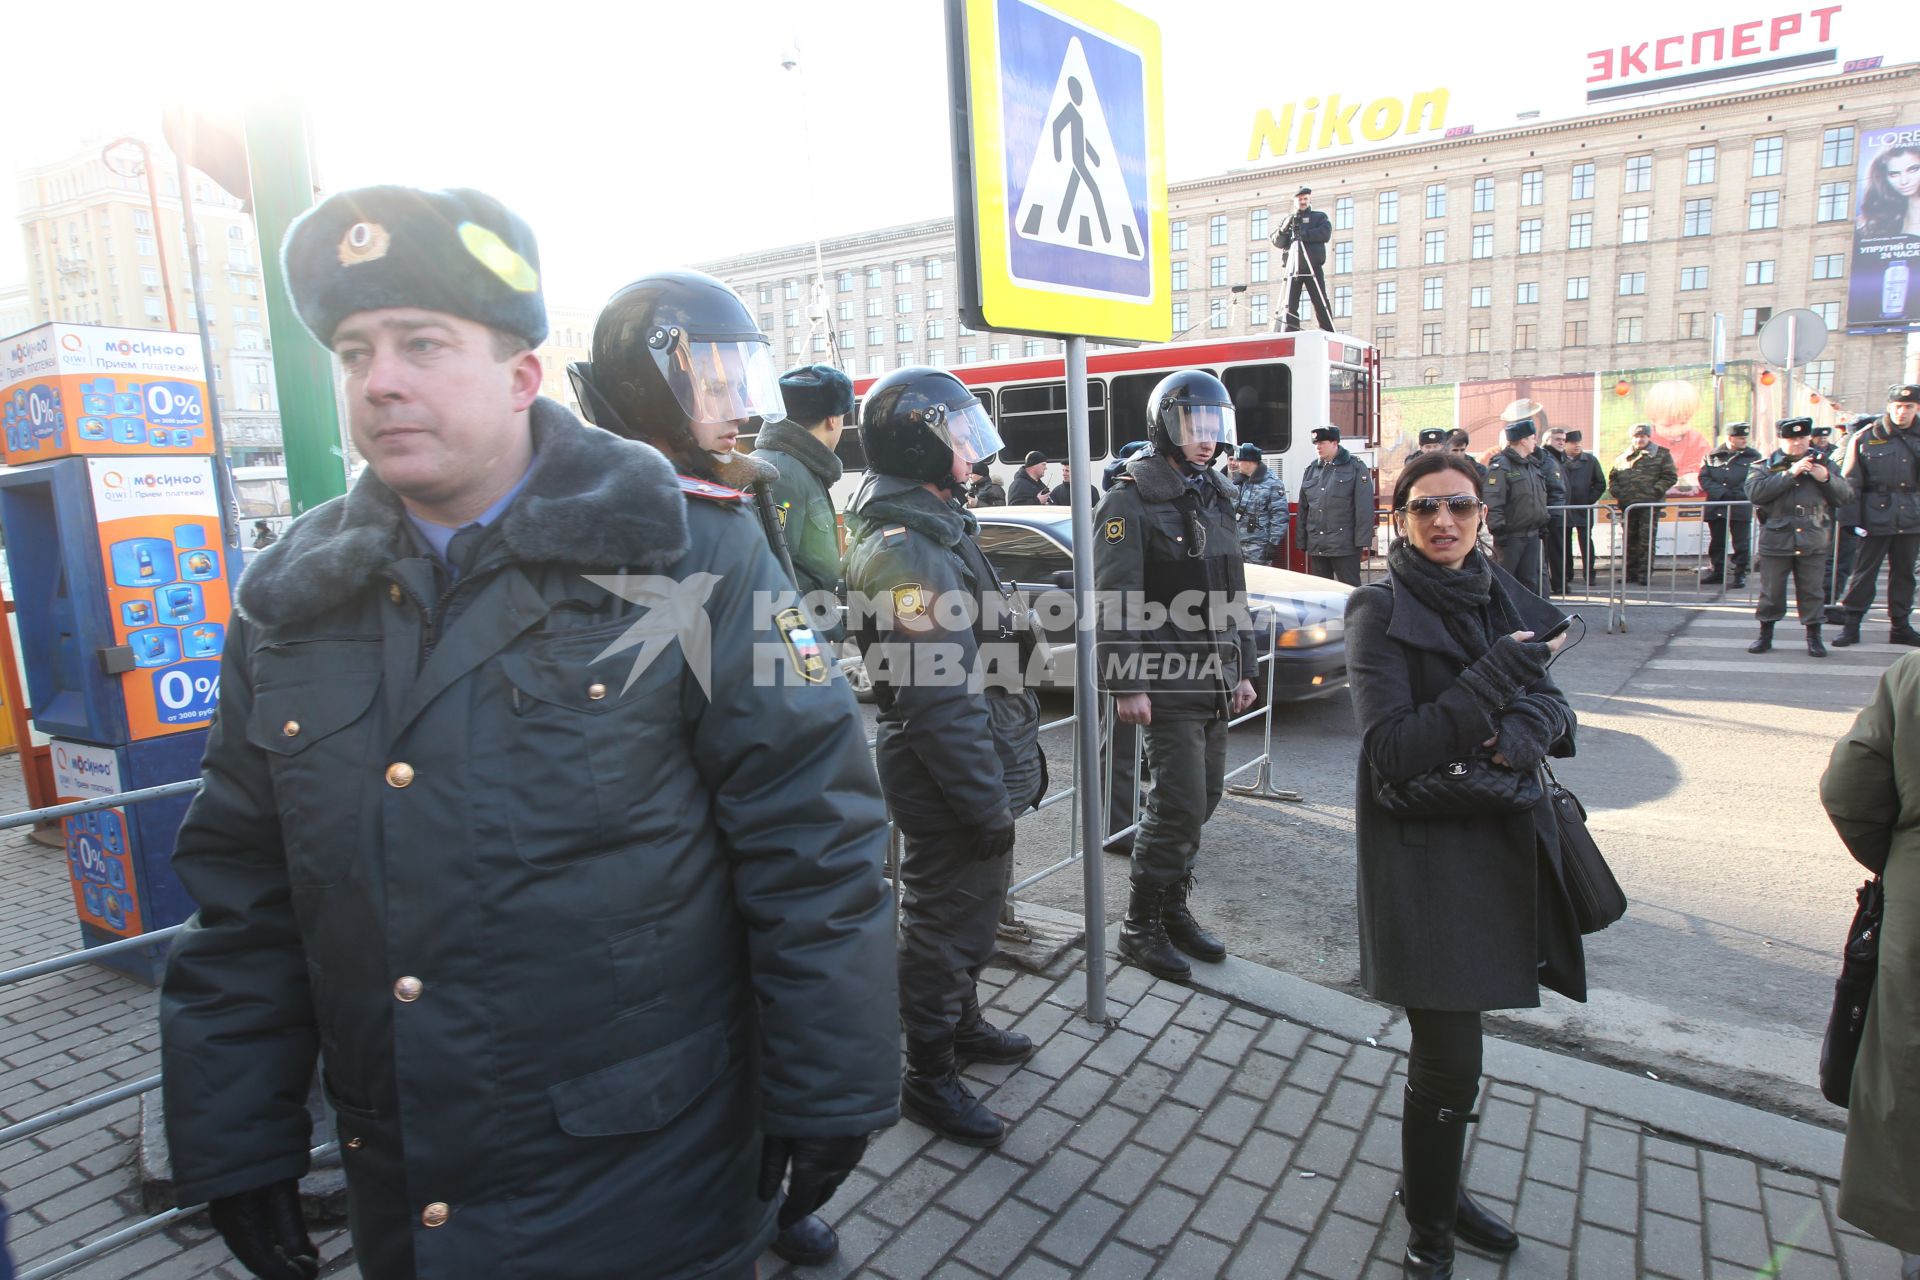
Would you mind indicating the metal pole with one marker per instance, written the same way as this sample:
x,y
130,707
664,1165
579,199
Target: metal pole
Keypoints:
x,y
1786,386
229,513
1719,375
159,232
1086,729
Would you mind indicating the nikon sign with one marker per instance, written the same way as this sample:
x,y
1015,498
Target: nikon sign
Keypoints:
x,y
1313,125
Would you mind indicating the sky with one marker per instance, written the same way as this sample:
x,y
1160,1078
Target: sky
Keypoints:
x,y
647,135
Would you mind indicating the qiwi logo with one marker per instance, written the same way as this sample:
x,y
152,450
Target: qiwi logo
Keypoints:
x,y
125,348
71,342
114,480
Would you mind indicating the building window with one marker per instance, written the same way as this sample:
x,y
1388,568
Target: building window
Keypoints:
x,y
1217,315
1435,248
875,277
790,290
1343,213
969,354
1343,258
1829,313
1389,209
1580,231
1576,333
1693,324
1752,318
1481,295
1767,153
1342,301
1582,188
903,273
1628,329
1633,224
1483,240
1530,235
1483,195
1632,283
1180,274
1760,271
1386,253
1180,324
1386,297
1433,292
1763,210
1257,305
155,309
935,268
1524,337
1217,229
1818,375
1833,202
874,333
1479,338
1430,339
1697,218
936,299
1383,335
844,282
902,303
1639,174
1533,187
998,350
1257,268
845,310
819,343
1436,199
1257,225
936,328
903,333
1700,165
1217,272
150,277
1692,278
1829,266
876,305
1526,293
1578,288
1836,147
1177,235
1032,347
143,245
793,318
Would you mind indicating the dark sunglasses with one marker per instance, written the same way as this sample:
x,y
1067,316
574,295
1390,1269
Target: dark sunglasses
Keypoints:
x,y
1459,506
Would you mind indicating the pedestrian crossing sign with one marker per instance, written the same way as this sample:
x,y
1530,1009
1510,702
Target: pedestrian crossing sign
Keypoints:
x,y
1060,173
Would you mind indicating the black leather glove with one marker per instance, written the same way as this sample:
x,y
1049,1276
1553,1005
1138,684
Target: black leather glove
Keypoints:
x,y
995,839
819,1166
264,1229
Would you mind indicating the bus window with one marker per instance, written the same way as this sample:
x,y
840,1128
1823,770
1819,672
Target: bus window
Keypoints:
x,y
852,454
1034,416
1348,391
1262,405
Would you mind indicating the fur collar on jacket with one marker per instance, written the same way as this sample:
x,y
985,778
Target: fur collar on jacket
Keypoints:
x,y
802,445
592,500
1158,479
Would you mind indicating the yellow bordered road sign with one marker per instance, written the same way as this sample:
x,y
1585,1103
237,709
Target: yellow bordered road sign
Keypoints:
x,y
1059,169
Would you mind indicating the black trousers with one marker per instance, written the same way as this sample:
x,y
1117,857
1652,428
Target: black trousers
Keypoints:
x,y
1722,529
1809,574
1519,555
1553,547
1340,568
1119,741
1188,760
1443,1066
950,902
1313,280
1579,525
1898,550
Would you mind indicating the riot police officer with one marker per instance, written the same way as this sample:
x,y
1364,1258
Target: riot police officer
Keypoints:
x,y
1166,542
1723,478
1517,501
1794,495
1884,466
1336,509
958,738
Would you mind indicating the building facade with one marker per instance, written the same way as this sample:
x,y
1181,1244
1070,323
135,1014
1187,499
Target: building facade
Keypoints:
x,y
1602,242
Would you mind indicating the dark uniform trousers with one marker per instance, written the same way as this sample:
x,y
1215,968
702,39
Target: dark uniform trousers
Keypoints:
x,y
1120,757
1519,555
1579,524
1724,528
1340,568
1809,587
1553,547
1846,549
1188,760
950,903
1898,550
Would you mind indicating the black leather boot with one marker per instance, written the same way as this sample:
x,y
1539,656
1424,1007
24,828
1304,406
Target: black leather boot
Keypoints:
x,y
1186,933
932,1093
1432,1140
809,1242
1477,1225
1143,934
977,1040
1814,647
1765,643
1902,635
1849,633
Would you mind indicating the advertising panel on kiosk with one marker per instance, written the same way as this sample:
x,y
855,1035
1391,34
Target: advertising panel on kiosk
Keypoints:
x,y
1883,289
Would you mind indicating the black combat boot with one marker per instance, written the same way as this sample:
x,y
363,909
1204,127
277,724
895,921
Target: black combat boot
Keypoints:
x,y
977,1040
1849,633
1902,634
1814,647
809,1242
1739,577
1432,1140
1712,577
1765,643
1143,934
1186,933
933,1094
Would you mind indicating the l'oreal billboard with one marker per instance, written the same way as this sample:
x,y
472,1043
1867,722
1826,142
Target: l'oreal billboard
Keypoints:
x,y
1883,289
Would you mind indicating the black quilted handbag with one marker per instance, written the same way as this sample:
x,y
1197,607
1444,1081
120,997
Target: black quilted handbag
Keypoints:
x,y
1598,900
1859,964
1471,788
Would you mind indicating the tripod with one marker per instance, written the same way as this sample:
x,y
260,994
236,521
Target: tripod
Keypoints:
x,y
1299,266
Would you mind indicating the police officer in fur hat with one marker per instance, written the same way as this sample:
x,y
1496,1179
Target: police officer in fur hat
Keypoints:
x,y
1336,509
1723,478
1883,464
1433,439
594,970
1794,495
800,448
1517,502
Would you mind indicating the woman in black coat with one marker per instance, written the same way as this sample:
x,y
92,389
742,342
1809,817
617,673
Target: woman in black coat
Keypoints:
x,y
1457,915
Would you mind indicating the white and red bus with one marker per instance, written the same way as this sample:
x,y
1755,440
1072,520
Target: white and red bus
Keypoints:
x,y
1283,385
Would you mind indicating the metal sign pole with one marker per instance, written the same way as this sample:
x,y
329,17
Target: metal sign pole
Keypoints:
x,y
1086,727
1786,386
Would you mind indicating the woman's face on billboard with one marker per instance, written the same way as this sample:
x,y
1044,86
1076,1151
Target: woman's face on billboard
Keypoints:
x,y
1903,172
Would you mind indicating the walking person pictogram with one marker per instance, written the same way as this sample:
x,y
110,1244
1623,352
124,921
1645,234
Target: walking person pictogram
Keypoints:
x,y
1074,160
1083,155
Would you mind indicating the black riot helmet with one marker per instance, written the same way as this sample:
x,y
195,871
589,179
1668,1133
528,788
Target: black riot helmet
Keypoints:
x,y
1189,407
913,421
672,349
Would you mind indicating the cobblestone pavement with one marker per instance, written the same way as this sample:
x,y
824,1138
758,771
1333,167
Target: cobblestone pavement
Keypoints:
x,y
1199,1135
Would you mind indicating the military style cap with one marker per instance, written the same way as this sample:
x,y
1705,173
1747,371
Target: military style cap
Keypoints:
x,y
1641,429
1432,435
816,392
1520,430
1740,429
1864,420
1248,452
1821,433
1904,393
1794,428
1304,191
458,251
1575,437
1326,433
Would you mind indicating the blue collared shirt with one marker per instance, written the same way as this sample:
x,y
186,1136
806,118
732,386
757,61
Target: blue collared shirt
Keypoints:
x,y
437,536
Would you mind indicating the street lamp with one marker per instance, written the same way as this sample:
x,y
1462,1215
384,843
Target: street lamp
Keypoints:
x,y
130,158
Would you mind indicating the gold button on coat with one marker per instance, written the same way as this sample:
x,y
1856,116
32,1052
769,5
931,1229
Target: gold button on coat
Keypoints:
x,y
434,1215
291,728
399,774
408,989
596,691
395,594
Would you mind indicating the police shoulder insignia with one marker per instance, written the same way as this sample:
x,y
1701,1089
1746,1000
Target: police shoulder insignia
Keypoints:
x,y
1117,529
803,646
780,513
694,487
1493,475
893,535
909,601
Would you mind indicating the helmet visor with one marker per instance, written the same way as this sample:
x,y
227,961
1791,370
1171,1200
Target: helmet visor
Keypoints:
x,y
970,433
1199,424
728,380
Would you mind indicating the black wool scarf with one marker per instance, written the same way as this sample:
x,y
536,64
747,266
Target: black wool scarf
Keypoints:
x,y
1470,602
